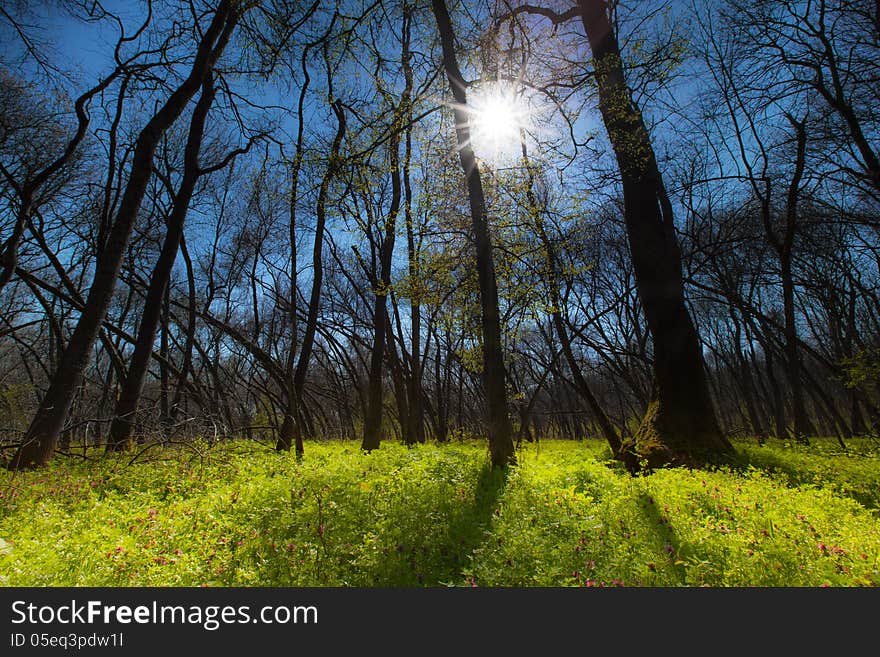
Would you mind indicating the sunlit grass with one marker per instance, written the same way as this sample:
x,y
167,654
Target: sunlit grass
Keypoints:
x,y
240,514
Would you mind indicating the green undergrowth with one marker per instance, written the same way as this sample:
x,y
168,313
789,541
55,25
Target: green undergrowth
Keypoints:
x,y
241,515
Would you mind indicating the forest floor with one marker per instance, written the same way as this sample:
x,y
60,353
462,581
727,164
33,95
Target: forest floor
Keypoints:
x,y
239,514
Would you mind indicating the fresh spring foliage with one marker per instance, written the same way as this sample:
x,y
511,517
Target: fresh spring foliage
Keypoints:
x,y
437,515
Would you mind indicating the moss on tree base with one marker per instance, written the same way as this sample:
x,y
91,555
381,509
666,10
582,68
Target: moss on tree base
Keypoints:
x,y
663,440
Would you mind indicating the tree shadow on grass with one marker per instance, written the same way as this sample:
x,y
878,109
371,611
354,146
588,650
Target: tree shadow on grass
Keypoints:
x,y
467,529
438,556
664,539
427,543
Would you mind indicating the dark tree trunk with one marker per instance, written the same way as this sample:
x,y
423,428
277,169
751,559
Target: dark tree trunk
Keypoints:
x,y
680,424
416,403
373,419
802,427
501,446
290,432
295,410
42,435
120,437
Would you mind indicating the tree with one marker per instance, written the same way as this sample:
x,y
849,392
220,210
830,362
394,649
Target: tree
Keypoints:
x,y
43,433
500,431
679,425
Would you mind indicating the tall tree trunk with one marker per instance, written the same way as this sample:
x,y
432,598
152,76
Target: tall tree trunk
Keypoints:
x,y
680,424
373,419
382,334
292,427
501,446
291,432
120,437
802,427
42,435
416,403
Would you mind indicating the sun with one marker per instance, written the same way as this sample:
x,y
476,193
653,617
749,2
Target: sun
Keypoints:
x,y
498,117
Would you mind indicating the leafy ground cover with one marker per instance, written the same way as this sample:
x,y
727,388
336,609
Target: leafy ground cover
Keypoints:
x,y
239,514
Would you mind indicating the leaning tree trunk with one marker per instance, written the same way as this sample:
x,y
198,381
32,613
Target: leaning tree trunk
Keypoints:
x,y
501,445
680,424
605,426
121,429
42,434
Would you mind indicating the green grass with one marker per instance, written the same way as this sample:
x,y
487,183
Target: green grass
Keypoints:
x,y
242,515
